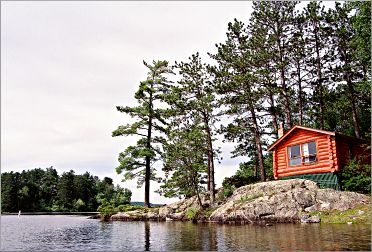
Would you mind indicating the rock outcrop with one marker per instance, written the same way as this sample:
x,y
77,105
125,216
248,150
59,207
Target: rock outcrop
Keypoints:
x,y
273,201
283,201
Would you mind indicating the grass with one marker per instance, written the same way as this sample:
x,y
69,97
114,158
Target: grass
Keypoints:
x,y
208,212
247,198
359,215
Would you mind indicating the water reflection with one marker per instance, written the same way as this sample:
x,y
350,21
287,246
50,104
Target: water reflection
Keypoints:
x,y
78,233
147,236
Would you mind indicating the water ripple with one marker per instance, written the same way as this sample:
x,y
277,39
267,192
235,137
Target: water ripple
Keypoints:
x,y
77,233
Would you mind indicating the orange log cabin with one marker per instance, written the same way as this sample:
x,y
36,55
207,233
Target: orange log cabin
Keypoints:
x,y
304,150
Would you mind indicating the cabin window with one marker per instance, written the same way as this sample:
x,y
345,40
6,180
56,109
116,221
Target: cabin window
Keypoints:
x,y
302,153
294,155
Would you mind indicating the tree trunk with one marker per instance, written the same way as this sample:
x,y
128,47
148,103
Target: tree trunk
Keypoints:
x,y
196,186
211,167
287,109
319,79
353,107
148,161
300,102
258,145
211,185
274,116
255,172
209,175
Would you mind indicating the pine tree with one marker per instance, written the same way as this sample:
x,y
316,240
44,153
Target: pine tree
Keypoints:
x,y
348,68
262,50
318,51
137,160
184,162
299,74
200,102
277,18
235,81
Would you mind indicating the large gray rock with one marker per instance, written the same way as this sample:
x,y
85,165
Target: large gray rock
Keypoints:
x,y
282,201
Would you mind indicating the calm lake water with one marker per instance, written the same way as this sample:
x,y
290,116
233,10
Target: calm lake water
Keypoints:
x,y
48,232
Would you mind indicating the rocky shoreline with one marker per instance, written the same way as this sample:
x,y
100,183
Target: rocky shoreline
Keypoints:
x,y
281,201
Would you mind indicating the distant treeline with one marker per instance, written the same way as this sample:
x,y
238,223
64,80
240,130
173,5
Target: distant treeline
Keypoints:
x,y
44,190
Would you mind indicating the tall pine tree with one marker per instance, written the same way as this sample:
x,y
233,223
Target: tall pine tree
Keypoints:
x,y
137,161
235,81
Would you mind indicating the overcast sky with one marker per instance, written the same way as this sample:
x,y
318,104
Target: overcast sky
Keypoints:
x,y
66,65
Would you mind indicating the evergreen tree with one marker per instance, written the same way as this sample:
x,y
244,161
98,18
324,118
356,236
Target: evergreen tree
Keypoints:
x,y
137,160
265,68
236,80
66,190
349,70
361,22
319,60
277,19
196,103
298,72
10,183
184,162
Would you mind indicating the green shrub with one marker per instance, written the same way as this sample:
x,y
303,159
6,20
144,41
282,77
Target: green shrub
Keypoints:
x,y
228,190
192,213
106,209
356,177
208,212
78,205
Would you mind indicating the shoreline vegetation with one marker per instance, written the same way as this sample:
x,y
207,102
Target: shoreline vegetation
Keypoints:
x,y
44,190
296,201
266,203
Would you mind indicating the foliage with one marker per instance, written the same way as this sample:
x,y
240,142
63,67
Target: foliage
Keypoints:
x,y
43,190
235,81
227,190
208,212
78,205
305,67
245,175
106,209
193,104
192,213
184,164
238,180
137,161
356,177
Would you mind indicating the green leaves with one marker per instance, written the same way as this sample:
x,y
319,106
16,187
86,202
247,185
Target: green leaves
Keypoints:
x,y
44,190
185,160
150,124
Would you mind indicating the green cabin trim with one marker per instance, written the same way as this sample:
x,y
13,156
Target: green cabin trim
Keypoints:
x,y
323,180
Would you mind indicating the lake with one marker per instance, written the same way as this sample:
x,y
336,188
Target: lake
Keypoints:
x,y
61,232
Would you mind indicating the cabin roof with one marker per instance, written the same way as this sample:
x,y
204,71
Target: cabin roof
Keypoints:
x,y
332,133
300,127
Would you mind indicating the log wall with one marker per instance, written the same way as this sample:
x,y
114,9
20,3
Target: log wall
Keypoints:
x,y
325,162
